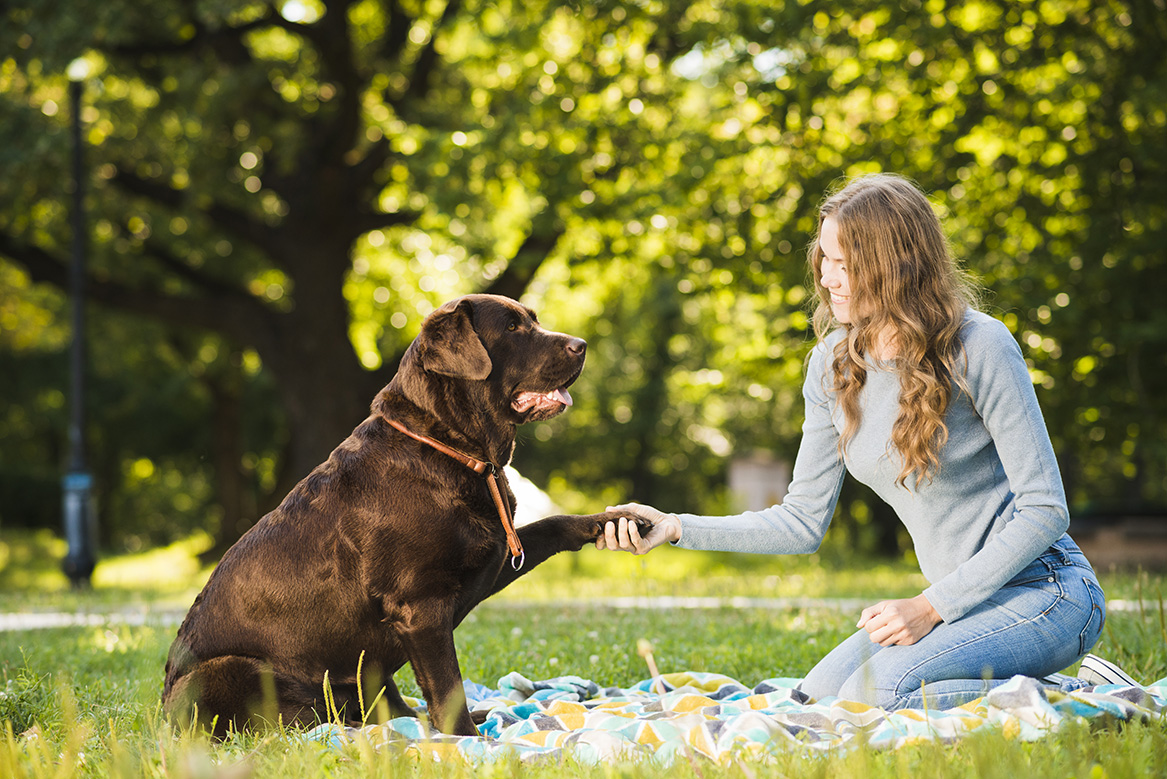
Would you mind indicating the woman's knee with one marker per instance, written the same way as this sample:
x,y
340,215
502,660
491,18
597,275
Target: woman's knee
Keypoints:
x,y
828,675
820,683
870,686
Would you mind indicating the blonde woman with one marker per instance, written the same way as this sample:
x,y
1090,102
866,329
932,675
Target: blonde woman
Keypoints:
x,y
928,401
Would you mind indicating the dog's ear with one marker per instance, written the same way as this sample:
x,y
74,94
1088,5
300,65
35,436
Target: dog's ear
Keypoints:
x,y
451,346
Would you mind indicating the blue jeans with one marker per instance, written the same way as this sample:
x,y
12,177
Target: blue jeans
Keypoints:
x,y
1042,621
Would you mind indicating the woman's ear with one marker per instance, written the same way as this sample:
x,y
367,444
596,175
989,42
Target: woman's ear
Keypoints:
x,y
449,344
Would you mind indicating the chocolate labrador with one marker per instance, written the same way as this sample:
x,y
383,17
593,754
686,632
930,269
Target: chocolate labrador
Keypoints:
x,y
372,560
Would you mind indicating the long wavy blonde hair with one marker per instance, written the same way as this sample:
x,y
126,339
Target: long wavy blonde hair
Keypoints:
x,y
906,291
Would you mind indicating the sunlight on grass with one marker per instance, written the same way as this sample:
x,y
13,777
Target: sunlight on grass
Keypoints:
x,y
30,564
32,561
31,576
673,572
174,567
33,565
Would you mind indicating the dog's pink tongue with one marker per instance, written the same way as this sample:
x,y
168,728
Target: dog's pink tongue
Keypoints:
x,y
561,395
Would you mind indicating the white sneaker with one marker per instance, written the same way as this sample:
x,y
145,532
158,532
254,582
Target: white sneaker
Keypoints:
x,y
1096,671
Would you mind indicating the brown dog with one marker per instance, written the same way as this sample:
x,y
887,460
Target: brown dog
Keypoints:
x,y
377,555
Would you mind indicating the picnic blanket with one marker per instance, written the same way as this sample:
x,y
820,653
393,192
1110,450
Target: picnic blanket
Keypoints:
x,y
716,717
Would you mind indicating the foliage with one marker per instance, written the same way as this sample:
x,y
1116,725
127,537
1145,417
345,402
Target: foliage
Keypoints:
x,y
285,190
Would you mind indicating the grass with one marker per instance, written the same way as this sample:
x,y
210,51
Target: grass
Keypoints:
x,y
83,701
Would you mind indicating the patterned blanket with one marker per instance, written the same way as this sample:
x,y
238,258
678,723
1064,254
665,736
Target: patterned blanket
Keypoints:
x,y
714,716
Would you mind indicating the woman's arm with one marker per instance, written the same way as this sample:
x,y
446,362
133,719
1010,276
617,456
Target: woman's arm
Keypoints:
x,y
797,524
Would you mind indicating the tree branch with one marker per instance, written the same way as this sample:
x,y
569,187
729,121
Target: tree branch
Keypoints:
x,y
363,223
175,265
419,84
41,266
397,31
361,173
236,316
230,219
530,256
226,42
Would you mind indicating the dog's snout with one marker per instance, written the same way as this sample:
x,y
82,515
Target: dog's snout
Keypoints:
x,y
577,346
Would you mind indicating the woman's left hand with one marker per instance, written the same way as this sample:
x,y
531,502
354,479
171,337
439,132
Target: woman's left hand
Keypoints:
x,y
904,621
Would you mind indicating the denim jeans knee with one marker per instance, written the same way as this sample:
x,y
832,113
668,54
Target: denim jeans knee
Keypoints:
x,y
1043,621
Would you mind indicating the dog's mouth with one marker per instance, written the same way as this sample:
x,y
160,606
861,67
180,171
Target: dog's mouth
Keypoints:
x,y
526,401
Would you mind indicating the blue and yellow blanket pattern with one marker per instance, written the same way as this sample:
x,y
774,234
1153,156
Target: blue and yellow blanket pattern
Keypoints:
x,y
687,715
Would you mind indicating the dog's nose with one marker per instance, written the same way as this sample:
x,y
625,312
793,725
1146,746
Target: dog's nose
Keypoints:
x,y
577,346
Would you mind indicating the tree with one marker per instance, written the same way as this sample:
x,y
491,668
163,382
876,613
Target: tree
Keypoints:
x,y
301,183
299,179
1038,129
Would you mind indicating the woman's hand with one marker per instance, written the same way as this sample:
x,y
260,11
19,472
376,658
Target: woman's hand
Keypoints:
x,y
624,535
902,622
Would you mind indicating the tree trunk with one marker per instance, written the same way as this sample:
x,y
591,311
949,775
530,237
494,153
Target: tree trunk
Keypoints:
x,y
323,387
227,459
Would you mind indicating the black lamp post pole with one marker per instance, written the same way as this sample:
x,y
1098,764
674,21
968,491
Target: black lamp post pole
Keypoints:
x,y
79,516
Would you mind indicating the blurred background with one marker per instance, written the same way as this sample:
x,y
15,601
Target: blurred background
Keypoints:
x,y
269,197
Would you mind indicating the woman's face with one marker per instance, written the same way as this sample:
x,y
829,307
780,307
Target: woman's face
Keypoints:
x,y
833,270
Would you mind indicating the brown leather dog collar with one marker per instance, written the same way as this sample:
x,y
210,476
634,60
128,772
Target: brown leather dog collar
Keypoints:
x,y
491,472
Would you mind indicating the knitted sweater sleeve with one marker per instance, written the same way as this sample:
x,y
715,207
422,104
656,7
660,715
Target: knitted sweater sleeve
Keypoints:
x,y
798,524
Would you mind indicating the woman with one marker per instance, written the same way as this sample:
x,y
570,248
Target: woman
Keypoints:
x,y
929,402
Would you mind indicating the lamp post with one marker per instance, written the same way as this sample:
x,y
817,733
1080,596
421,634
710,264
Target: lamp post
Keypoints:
x,y
79,516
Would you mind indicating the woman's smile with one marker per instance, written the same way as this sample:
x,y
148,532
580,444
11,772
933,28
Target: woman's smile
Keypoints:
x,y
833,270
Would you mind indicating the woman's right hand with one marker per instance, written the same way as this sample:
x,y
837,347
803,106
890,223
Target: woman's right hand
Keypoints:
x,y
624,535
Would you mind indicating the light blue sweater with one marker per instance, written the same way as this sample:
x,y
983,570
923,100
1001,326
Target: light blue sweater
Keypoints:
x,y
995,505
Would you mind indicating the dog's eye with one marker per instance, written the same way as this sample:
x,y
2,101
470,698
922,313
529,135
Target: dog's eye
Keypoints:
x,y
512,327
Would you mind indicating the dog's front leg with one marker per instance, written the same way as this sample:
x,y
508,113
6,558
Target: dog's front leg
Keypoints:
x,y
426,632
551,535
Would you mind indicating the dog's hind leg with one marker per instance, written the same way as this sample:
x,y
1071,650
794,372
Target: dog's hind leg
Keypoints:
x,y
223,693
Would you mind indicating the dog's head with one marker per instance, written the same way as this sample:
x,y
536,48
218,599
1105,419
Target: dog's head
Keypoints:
x,y
493,351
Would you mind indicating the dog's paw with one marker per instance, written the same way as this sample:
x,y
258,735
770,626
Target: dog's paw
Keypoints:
x,y
575,531
643,526
578,530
